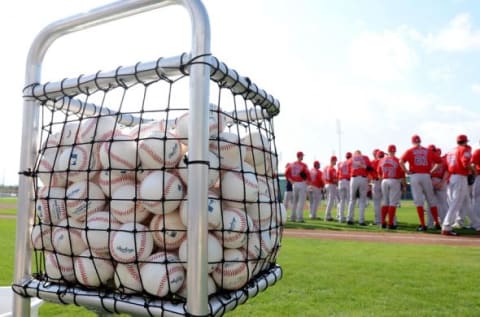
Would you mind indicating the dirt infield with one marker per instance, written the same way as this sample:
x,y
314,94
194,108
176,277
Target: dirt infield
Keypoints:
x,y
385,237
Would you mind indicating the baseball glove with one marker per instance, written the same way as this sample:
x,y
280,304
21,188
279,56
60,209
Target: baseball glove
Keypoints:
x,y
303,175
470,179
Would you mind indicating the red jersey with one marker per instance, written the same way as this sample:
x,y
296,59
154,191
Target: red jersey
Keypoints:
x,y
389,167
373,174
358,165
342,170
295,171
316,177
459,159
330,175
420,159
476,160
441,169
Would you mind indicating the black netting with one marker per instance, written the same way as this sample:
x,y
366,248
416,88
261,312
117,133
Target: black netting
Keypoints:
x,y
111,185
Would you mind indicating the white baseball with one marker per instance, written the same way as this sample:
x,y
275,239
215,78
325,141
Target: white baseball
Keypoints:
x,y
213,169
262,212
80,161
42,237
281,214
97,129
161,192
235,227
119,153
239,187
83,198
142,130
59,267
232,274
124,205
50,205
48,164
211,287
131,242
93,270
67,237
228,148
159,150
256,144
110,180
214,210
168,231
214,252
98,231
69,132
127,278
162,274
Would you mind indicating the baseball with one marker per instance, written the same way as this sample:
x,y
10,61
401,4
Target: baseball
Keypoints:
x,y
124,205
211,287
127,278
228,148
261,212
98,231
256,144
92,270
59,267
131,242
159,150
214,210
84,197
50,205
161,192
47,169
80,161
67,237
281,214
235,227
42,237
97,129
144,129
213,169
214,255
162,274
168,231
69,132
232,274
239,187
119,153
110,180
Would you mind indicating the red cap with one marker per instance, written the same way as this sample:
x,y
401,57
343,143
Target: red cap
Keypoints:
x,y
333,158
416,139
392,148
432,147
299,154
380,154
462,138
348,155
375,152
316,164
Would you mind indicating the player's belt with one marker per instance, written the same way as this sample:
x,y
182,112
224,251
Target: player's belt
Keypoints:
x,y
359,176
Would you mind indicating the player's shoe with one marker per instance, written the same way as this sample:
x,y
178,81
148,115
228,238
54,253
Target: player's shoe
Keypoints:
x,y
422,228
392,227
362,224
449,233
350,222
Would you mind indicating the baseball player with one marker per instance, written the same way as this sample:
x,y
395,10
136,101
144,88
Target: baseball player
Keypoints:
x,y
299,175
439,182
376,184
343,186
475,211
459,166
359,166
331,182
393,182
316,185
421,163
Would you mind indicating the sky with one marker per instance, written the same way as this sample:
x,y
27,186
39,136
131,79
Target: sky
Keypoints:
x,y
349,75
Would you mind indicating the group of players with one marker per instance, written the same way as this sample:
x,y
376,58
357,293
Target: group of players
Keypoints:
x,y
449,183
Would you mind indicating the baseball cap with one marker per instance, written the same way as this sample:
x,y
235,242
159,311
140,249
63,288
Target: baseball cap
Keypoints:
x,y
348,155
380,154
432,147
333,158
392,148
375,152
416,139
316,164
462,138
300,154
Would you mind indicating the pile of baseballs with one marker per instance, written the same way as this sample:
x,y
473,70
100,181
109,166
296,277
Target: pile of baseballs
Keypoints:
x,y
113,208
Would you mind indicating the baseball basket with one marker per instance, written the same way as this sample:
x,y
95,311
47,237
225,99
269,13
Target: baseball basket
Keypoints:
x,y
149,189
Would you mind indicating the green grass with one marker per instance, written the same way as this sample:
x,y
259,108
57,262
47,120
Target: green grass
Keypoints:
x,y
9,205
342,278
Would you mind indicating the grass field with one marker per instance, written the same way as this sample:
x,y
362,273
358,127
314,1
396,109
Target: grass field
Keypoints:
x,y
343,278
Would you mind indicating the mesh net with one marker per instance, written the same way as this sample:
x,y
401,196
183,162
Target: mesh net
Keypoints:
x,y
111,192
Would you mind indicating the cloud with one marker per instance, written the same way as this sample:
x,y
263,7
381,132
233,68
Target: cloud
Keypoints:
x,y
382,56
476,88
458,36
